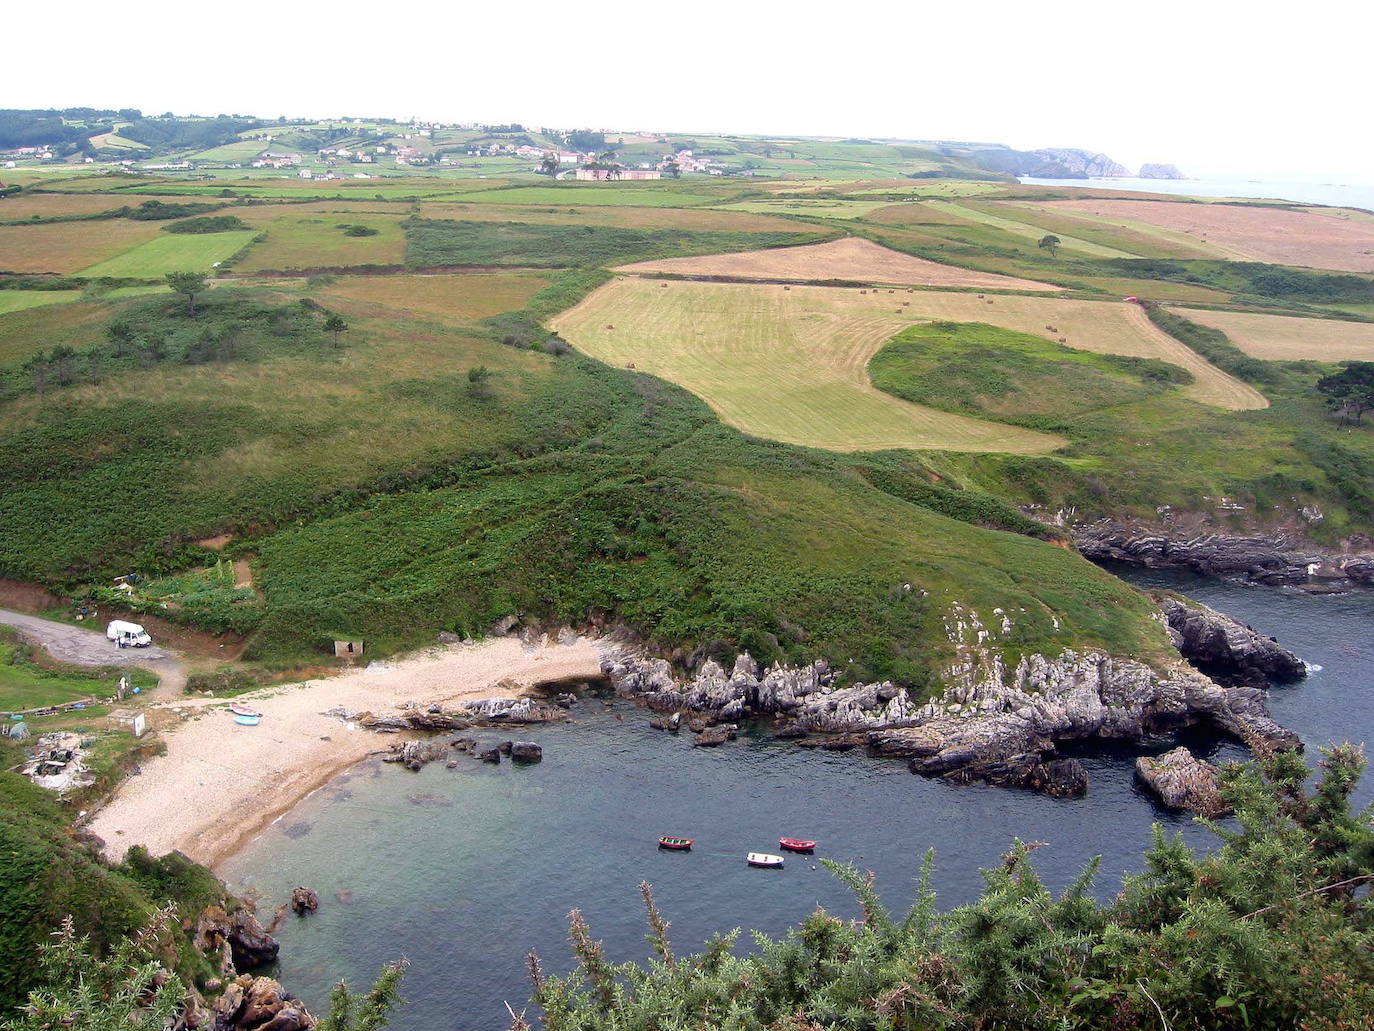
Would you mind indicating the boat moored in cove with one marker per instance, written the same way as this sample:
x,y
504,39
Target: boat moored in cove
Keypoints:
x,y
676,844
797,844
764,859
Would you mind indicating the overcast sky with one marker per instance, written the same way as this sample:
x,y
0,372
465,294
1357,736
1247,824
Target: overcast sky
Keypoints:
x,y
1219,88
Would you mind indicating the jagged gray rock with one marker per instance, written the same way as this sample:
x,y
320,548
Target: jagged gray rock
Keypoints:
x,y
1160,170
992,723
1182,781
1275,559
1225,648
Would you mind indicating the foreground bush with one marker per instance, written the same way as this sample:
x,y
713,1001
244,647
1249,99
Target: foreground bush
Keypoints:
x,y
1273,930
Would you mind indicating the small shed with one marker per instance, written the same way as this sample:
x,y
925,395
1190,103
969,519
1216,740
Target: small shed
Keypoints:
x,y
348,649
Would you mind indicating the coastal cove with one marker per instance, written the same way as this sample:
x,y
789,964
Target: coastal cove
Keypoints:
x,y
464,870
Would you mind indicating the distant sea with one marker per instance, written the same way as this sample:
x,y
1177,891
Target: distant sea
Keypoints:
x,y
1337,194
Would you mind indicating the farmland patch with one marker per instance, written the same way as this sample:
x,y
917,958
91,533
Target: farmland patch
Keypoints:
x,y
847,259
172,253
1286,338
789,365
64,247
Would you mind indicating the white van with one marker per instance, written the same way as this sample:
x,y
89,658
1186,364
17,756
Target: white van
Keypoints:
x,y
127,635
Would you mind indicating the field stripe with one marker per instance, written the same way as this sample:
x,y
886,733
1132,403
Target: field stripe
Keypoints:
x,y
1025,229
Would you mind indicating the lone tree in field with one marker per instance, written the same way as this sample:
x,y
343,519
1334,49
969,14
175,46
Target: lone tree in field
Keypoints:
x,y
1349,392
188,284
1051,244
334,323
549,165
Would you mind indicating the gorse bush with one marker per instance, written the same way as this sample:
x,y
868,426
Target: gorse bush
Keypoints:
x,y
1274,931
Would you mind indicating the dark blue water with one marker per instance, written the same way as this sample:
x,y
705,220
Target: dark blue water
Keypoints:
x,y
463,871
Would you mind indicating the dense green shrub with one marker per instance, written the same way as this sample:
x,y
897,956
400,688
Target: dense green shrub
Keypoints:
x,y
210,224
1271,932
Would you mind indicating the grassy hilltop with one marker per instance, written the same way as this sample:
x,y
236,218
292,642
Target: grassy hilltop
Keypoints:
x,y
813,456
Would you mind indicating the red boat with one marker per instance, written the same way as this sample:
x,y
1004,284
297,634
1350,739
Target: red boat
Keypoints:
x,y
676,844
797,844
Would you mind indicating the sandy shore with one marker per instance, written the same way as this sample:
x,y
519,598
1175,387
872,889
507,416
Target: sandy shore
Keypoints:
x,y
221,783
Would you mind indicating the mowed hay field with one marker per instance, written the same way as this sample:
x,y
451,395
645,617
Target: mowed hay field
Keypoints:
x,y
789,365
1285,338
463,297
847,259
1333,239
65,247
181,252
49,205
316,240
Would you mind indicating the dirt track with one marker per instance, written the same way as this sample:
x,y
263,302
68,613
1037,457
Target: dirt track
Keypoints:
x,y
90,648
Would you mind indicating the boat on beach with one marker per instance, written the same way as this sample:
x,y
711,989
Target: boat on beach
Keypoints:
x,y
248,721
797,844
243,710
676,844
764,859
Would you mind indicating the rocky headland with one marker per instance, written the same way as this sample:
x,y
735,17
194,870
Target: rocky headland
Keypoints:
x,y
1275,559
1160,171
992,722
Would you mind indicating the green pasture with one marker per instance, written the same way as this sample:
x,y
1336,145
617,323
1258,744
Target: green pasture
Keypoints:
x,y
172,253
816,208
17,300
628,194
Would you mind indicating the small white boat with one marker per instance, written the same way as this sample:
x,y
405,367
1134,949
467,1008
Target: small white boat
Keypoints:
x,y
248,721
764,859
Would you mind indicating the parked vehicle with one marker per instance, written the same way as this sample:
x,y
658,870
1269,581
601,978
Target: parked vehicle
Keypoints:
x,y
127,635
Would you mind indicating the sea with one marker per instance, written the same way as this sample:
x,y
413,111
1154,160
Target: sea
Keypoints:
x,y
1342,195
464,871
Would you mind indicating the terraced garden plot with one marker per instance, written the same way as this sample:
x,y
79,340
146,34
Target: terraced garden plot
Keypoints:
x,y
64,247
847,259
789,365
180,252
1287,236
1286,338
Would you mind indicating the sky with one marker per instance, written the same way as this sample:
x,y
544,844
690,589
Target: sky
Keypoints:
x,y
1259,89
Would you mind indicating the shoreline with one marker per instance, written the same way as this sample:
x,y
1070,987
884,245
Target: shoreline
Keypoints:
x,y
219,784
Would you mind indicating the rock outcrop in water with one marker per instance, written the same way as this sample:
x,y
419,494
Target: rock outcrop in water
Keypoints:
x,y
1274,559
1182,781
992,723
1159,170
259,1004
1225,648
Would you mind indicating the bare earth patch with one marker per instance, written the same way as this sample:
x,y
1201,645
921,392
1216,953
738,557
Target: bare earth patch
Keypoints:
x,y
848,259
220,783
1333,239
1285,338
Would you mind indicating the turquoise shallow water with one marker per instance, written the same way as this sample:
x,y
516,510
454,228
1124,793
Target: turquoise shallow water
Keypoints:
x,y
463,871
